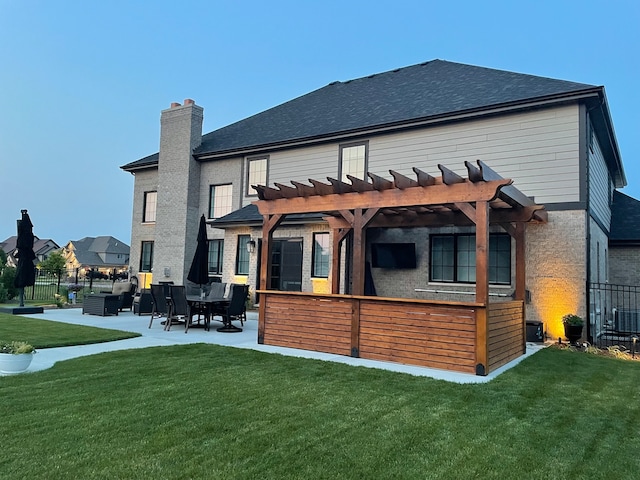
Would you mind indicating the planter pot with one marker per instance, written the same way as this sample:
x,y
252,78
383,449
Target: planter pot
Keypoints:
x,y
15,363
573,333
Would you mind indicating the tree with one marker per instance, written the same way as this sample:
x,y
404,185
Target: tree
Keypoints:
x,y
3,260
55,264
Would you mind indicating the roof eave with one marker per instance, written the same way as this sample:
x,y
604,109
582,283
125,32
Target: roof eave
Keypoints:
x,y
258,223
603,124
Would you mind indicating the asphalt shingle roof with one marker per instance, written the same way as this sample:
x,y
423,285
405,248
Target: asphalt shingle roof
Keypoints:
x,y
249,215
625,219
427,90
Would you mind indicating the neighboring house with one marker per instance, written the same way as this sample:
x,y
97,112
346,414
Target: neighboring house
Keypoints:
x,y
103,253
42,247
624,242
553,138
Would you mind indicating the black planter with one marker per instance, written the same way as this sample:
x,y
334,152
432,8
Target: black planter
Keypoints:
x,y
573,333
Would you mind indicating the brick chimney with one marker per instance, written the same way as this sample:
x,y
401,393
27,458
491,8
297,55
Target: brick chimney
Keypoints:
x,y
178,191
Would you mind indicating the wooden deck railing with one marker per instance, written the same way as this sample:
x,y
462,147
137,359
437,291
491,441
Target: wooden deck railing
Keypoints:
x,y
434,334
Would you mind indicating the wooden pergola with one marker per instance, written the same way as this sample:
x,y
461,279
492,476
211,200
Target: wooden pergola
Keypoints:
x,y
482,199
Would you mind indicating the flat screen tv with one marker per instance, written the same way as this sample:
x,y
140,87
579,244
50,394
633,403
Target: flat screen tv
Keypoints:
x,y
393,255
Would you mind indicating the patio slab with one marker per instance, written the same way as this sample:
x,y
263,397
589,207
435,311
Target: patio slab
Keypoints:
x,y
157,336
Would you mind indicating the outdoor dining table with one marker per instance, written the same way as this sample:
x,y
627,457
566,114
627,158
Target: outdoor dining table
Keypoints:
x,y
210,305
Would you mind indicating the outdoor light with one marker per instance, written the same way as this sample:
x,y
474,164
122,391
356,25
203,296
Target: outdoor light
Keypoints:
x,y
251,246
635,340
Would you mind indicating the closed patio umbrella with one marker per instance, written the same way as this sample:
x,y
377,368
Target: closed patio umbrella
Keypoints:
x,y
26,271
199,271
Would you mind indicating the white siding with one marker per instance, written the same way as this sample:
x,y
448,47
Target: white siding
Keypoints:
x,y
539,150
600,185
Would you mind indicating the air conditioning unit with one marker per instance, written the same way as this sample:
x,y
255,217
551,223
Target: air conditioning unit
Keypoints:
x,y
626,321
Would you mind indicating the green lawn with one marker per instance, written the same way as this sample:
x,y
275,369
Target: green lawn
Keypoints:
x,y
46,334
205,411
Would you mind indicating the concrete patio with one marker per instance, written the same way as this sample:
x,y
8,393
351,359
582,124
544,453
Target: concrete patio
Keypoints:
x,y
157,336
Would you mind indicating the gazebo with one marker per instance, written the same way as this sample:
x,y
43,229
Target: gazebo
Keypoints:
x,y
472,337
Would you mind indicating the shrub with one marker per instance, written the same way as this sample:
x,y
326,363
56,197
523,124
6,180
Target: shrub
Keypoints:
x,y
3,294
7,279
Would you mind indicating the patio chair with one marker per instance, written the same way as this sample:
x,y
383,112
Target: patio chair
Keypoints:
x,y
125,291
159,302
180,309
217,290
142,302
237,305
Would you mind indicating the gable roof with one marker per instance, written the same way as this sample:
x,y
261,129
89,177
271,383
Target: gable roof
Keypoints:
x,y
92,251
39,244
428,92
625,220
102,244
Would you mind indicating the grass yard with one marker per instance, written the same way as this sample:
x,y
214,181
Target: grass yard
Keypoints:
x,y
205,411
47,334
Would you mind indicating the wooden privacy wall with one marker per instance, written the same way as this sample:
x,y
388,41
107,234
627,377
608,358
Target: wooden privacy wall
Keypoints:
x,y
506,332
433,334
425,334
308,322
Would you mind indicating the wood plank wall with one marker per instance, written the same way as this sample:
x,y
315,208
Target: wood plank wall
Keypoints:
x,y
415,332
422,334
321,324
506,331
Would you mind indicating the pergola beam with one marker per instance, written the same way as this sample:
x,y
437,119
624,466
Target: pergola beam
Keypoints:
x,y
391,198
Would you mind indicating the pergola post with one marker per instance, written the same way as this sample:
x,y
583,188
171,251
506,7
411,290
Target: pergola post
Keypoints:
x,y
482,285
269,224
338,236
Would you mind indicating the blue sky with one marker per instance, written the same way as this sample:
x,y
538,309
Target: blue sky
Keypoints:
x,y
83,83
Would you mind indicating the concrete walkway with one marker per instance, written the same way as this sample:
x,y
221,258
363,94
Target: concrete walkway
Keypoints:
x,y
156,336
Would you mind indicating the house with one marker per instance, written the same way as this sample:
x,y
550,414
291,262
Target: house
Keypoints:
x,y
624,242
103,254
42,247
414,127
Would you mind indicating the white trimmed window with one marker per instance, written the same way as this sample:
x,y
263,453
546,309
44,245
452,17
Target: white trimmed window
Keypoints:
x,y
149,211
220,200
256,173
353,161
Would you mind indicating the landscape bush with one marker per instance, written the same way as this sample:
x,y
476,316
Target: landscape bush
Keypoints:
x,y
7,279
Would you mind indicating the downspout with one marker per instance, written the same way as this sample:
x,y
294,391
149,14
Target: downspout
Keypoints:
x,y
584,153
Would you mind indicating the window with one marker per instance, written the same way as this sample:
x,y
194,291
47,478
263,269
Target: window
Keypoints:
x,y
146,257
216,248
353,161
149,212
256,173
320,267
220,199
242,255
453,258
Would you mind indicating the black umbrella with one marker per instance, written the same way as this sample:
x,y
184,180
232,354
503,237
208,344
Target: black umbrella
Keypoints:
x,y
26,271
199,271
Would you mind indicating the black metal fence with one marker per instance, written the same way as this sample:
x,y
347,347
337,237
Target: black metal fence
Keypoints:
x,y
47,286
614,315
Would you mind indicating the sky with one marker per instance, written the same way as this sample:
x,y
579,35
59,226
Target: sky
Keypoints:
x,y
82,83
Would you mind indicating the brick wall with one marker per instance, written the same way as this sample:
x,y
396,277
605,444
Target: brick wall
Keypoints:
x,y
556,269
624,265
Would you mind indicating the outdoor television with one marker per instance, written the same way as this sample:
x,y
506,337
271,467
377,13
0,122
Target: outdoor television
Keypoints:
x,y
393,255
